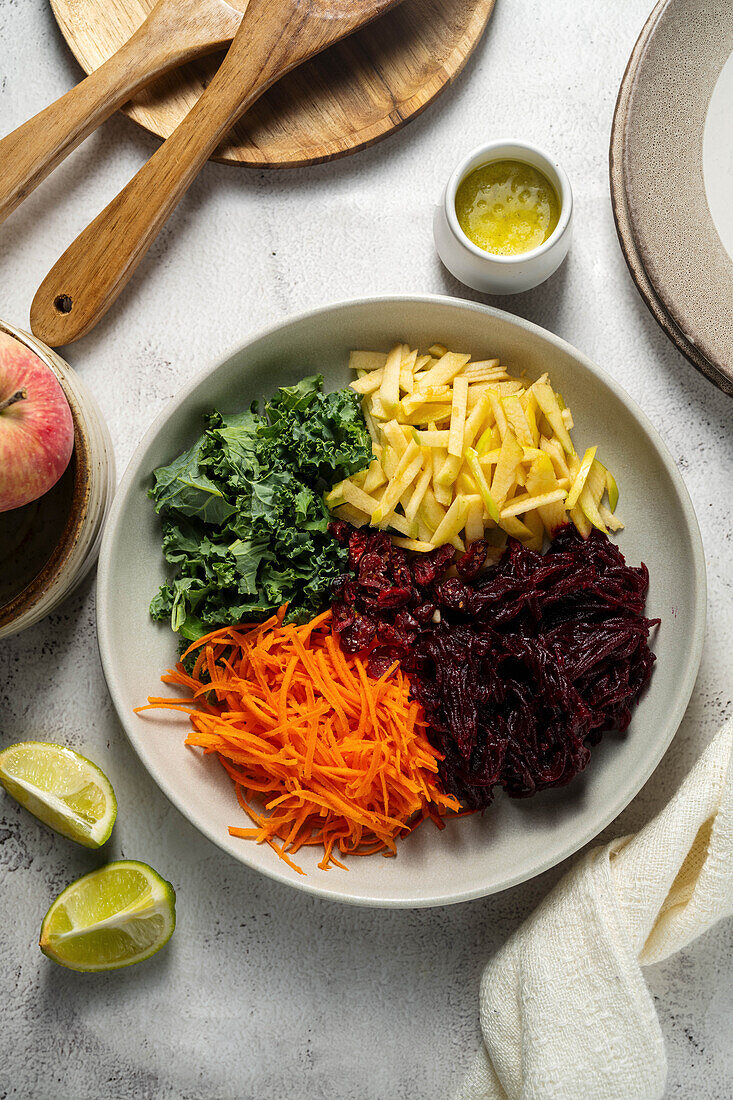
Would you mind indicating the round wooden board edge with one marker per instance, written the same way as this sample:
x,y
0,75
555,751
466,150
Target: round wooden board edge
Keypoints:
x,y
387,125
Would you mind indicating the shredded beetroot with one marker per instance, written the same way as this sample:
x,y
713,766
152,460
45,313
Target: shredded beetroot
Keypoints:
x,y
527,663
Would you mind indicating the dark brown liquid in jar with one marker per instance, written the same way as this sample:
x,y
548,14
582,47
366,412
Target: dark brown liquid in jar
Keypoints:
x,y
29,536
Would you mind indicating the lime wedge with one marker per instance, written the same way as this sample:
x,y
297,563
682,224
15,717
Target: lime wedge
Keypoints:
x,y
116,916
60,788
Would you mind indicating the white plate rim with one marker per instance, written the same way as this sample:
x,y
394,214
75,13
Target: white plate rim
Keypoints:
x,y
688,677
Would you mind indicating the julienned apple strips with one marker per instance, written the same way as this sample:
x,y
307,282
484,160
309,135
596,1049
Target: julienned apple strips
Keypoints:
x,y
461,447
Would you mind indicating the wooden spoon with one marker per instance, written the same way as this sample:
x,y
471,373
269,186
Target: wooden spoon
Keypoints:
x,y
273,38
176,31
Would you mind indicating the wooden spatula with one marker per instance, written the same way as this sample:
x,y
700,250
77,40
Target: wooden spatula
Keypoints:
x,y
176,31
273,38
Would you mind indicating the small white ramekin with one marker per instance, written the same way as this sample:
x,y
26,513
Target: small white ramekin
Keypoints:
x,y
93,489
483,270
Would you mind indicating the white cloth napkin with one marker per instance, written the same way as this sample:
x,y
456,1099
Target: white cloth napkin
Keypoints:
x,y
565,1011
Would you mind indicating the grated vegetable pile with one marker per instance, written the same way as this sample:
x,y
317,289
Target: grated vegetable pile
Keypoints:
x,y
520,668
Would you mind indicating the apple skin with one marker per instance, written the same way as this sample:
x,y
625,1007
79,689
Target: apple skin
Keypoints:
x,y
36,431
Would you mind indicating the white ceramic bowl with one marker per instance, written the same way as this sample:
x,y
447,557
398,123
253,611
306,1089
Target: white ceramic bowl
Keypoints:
x,y
513,840
93,487
483,270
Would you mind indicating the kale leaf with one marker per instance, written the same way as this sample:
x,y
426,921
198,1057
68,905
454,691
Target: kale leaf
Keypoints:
x,y
245,528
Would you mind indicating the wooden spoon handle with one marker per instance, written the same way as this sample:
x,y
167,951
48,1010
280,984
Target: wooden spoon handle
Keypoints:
x,y
92,272
171,35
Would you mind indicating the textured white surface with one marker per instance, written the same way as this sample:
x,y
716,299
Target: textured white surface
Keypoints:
x,y
263,992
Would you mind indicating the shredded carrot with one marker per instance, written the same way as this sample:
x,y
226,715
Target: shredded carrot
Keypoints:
x,y
335,758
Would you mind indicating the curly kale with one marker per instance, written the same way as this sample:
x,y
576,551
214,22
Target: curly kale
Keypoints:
x,y
244,524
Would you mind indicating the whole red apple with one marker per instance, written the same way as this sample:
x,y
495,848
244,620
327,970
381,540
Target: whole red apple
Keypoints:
x,y
36,428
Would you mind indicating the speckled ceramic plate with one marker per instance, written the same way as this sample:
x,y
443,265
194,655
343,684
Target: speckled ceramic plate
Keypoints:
x,y
513,840
623,224
671,163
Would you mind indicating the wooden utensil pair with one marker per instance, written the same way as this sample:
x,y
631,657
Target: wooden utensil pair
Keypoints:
x,y
266,44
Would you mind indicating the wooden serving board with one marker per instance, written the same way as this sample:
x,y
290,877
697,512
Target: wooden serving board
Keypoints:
x,y
347,98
